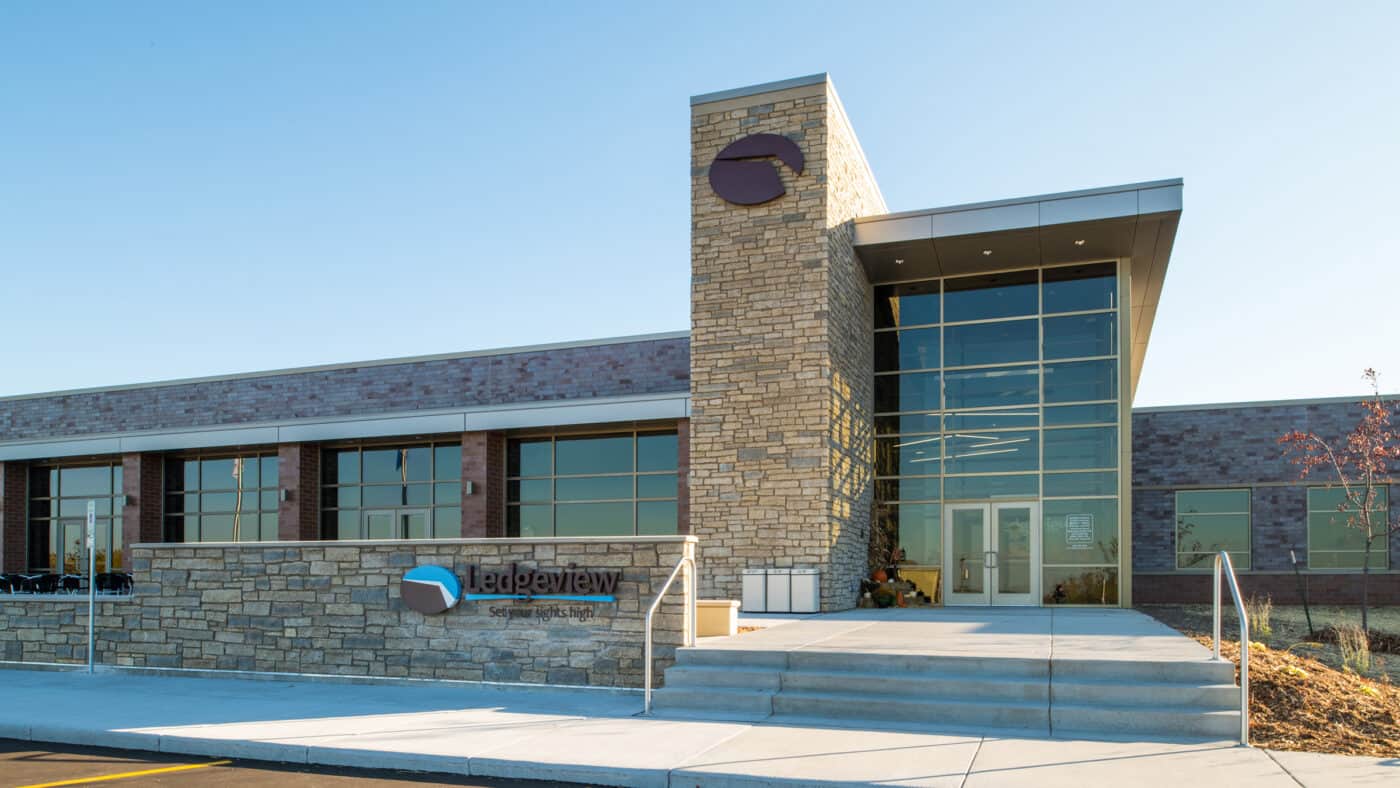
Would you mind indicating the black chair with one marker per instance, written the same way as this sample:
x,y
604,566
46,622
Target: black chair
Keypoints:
x,y
71,584
123,582
9,584
46,583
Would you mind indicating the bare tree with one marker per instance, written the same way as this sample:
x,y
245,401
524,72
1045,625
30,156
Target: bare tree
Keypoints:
x,y
1360,463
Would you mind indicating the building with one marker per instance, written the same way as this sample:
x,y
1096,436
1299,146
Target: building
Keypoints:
x,y
948,386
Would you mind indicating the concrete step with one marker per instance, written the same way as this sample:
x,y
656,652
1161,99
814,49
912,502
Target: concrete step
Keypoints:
x,y
921,686
1122,693
882,711
1201,672
895,664
706,676
713,700
732,657
1069,719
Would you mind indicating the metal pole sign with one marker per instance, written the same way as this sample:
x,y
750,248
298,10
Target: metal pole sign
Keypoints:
x,y
92,572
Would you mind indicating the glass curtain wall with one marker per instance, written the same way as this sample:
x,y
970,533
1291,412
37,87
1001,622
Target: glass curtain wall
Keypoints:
x,y
593,485
392,492
58,499
221,499
1004,387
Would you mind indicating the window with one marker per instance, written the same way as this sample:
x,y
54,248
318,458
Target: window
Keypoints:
x,y
392,492
595,485
1208,521
221,499
58,499
1332,544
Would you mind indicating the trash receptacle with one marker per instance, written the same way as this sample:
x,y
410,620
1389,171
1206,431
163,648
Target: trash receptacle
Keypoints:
x,y
806,591
754,590
779,591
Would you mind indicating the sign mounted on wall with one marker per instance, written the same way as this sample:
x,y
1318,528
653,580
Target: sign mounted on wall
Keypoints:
x,y
434,589
743,174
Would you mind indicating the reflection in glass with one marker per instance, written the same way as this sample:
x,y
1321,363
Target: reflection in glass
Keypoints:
x,y
990,388
1080,336
1080,288
991,296
1003,342
969,550
1081,381
910,304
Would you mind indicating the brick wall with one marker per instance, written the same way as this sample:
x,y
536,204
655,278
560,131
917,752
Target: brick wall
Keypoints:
x,y
780,352
334,608
299,473
624,368
1238,447
14,506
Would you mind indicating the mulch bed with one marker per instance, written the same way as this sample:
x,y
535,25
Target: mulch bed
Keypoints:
x,y
1298,703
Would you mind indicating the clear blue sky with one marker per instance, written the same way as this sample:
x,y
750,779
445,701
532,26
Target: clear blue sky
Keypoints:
x,y
197,188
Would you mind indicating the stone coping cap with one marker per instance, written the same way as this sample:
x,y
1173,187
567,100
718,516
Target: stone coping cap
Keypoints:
x,y
543,542
75,598
716,603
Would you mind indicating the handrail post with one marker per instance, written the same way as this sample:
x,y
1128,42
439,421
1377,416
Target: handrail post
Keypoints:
x,y
1215,608
688,630
1224,566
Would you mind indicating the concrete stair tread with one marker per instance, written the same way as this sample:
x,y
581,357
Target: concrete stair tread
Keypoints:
x,y
1082,681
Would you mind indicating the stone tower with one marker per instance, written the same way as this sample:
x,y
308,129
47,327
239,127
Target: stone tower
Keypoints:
x,y
781,347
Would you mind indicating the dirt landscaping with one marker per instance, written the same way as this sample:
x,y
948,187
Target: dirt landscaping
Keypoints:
x,y
1302,696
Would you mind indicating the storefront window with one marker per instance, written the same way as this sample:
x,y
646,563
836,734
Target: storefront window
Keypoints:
x,y
392,492
58,499
594,485
221,499
1004,387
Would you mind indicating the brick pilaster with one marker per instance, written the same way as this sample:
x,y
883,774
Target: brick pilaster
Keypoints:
x,y
299,473
14,490
142,484
483,466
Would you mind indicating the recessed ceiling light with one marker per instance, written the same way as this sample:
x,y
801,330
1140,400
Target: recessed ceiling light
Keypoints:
x,y
987,252
899,261
1080,242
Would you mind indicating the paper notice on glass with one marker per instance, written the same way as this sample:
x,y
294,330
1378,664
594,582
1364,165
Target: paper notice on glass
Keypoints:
x,y
1079,531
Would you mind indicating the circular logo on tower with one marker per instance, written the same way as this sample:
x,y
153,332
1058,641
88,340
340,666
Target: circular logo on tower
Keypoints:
x,y
744,173
430,589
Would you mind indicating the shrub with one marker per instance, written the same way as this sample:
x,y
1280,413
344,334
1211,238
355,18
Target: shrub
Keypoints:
x,y
1261,613
1355,648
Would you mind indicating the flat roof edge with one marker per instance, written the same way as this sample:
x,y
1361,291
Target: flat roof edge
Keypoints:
x,y
383,362
1038,198
764,87
1264,403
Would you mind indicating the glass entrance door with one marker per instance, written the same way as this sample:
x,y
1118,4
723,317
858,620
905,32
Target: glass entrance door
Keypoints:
x,y
396,524
993,554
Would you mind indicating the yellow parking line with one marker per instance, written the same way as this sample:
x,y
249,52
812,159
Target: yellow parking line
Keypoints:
x,y
124,775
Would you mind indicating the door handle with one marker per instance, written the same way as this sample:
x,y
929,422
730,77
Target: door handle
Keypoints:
x,y
991,559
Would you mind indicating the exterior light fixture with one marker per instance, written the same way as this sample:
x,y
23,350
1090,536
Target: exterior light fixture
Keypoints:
x,y
899,261
986,252
1080,242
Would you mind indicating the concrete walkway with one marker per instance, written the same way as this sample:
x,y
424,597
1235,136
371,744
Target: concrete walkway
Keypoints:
x,y
1008,632
594,737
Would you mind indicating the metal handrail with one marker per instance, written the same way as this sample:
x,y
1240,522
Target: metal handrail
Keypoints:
x,y
1222,560
686,560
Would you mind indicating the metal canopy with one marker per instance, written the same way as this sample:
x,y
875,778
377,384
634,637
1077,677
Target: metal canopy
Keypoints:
x,y
1136,222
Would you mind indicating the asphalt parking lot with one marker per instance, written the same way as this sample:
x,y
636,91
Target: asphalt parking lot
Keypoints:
x,y
33,765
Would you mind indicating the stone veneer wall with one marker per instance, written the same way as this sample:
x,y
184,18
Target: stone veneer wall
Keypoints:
x,y
1237,447
781,368
334,608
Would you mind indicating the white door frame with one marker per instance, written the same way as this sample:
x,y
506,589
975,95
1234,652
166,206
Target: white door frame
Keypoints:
x,y
990,556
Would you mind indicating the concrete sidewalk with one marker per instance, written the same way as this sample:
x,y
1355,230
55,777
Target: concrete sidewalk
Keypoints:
x,y
594,737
